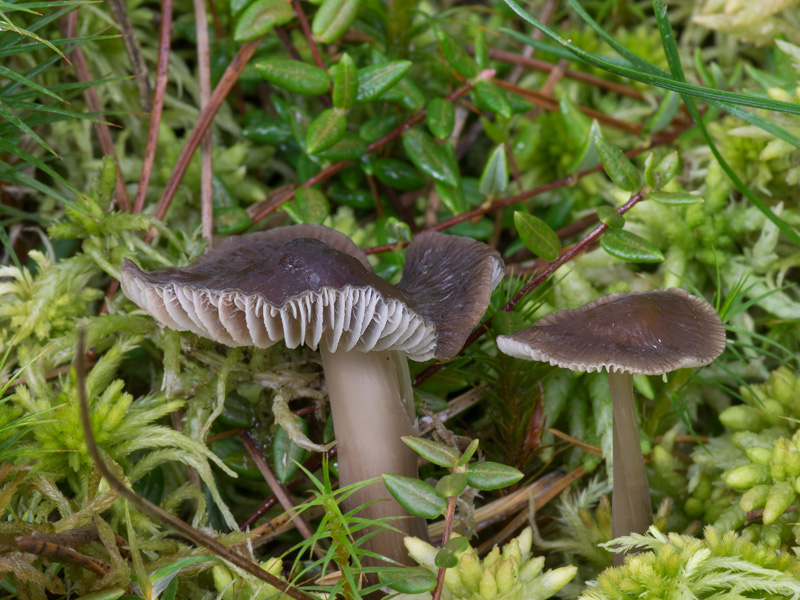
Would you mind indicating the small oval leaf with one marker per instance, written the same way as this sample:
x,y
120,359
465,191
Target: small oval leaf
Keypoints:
x,y
230,219
260,17
491,476
398,174
445,558
327,129
333,18
429,157
494,178
451,485
675,198
345,83
629,247
377,79
437,453
537,235
294,75
309,206
260,127
617,166
493,98
412,581
473,446
417,497
456,57
607,215
453,197
440,118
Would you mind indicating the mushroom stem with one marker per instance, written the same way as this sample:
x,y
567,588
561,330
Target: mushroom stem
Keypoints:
x,y
631,507
370,415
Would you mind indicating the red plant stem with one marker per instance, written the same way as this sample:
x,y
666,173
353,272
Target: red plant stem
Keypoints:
x,y
543,65
396,132
564,181
448,524
224,86
301,16
69,26
206,162
565,256
160,91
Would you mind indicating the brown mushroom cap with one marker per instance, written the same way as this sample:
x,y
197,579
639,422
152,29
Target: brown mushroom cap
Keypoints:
x,y
302,282
650,333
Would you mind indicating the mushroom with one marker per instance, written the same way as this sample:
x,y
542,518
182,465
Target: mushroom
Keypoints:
x,y
626,333
308,284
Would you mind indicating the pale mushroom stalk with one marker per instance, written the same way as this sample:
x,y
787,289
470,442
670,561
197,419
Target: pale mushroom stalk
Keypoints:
x,y
631,511
650,333
370,415
311,285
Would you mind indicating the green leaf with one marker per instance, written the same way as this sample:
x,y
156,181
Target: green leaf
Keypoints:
x,y
333,18
429,157
587,157
376,128
377,79
437,453
231,219
575,122
407,93
657,176
345,83
445,559
617,166
494,178
452,197
176,566
413,581
327,129
396,231
359,199
294,75
607,215
674,198
286,455
491,476
473,446
260,17
493,98
309,206
263,129
456,57
629,247
417,497
537,235
350,147
398,174
451,485
440,118
481,49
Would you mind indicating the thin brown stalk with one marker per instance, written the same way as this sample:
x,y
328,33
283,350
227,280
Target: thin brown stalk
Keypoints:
x,y
397,132
224,86
206,162
132,48
448,523
558,183
153,510
164,40
542,65
276,486
69,26
548,102
312,45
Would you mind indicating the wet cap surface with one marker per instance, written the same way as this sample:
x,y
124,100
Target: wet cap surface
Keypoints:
x,y
636,332
307,284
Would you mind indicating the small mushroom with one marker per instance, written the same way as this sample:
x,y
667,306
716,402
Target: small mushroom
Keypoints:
x,y
309,284
626,333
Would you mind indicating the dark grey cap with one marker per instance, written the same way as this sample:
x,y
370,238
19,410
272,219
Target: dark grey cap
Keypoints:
x,y
307,283
636,332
